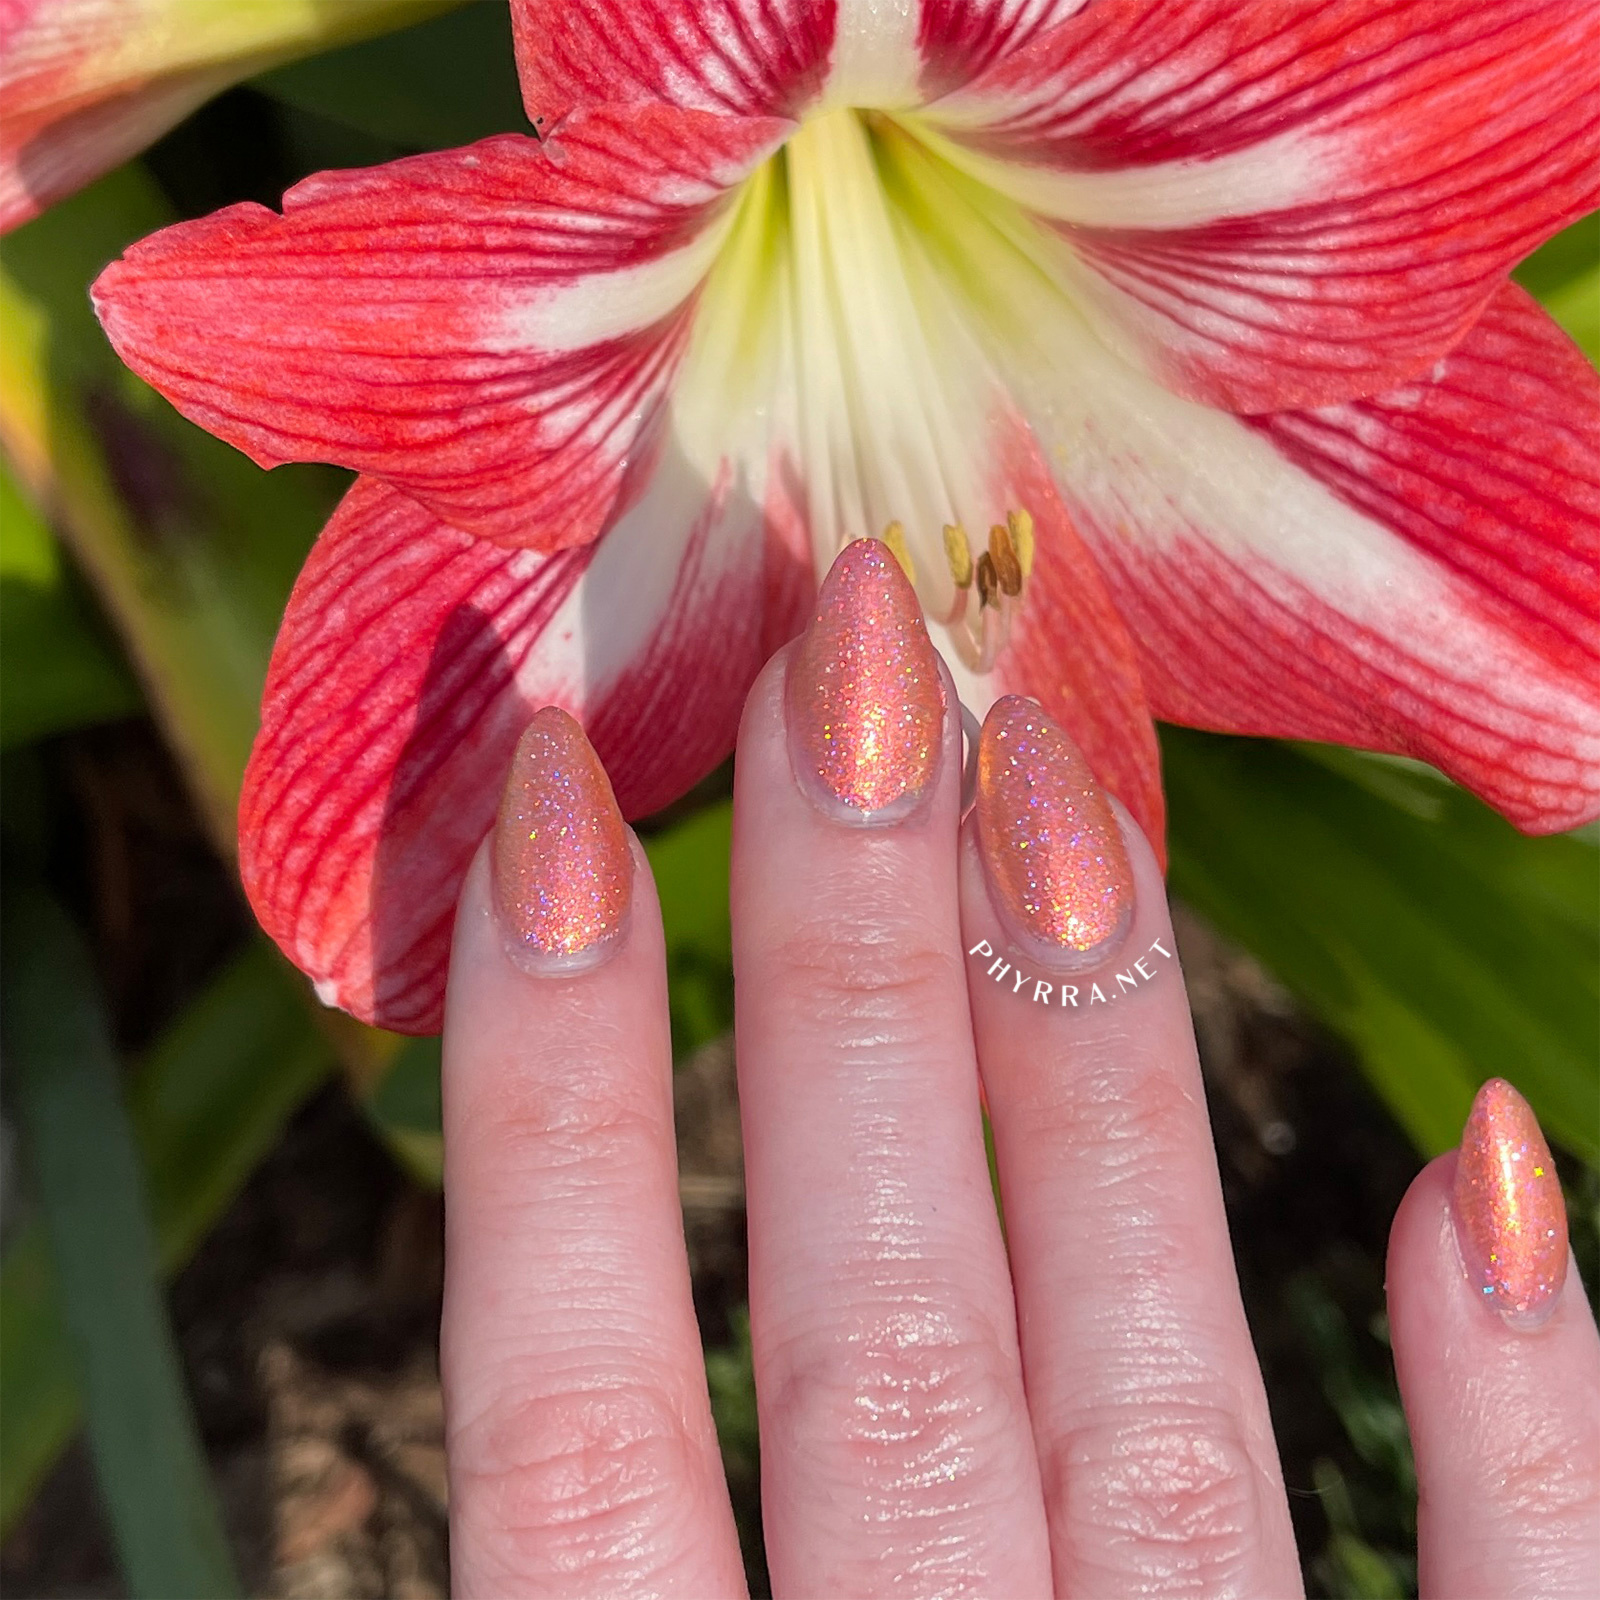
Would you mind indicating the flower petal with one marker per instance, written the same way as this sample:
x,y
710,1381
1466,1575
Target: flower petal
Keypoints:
x,y
84,84
1418,573
411,658
747,57
1070,649
1289,206
959,40
491,330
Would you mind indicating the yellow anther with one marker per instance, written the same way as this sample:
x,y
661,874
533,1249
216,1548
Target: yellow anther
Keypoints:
x,y
1020,525
895,537
958,554
1006,570
988,583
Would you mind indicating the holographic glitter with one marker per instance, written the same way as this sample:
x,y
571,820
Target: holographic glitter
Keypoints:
x,y
562,870
1510,1216
1049,840
865,701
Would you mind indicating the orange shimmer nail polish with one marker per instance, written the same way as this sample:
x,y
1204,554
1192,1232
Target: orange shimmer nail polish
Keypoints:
x,y
562,869
1050,842
865,701
1510,1217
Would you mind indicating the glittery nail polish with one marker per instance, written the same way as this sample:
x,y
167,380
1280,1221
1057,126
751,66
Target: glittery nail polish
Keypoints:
x,y
1510,1217
561,867
1058,873
865,704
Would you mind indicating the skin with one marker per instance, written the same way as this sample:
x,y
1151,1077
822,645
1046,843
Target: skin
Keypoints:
x,y
1085,1417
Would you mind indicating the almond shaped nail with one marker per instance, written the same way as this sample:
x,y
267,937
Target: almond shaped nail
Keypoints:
x,y
561,866
1510,1216
1057,869
865,700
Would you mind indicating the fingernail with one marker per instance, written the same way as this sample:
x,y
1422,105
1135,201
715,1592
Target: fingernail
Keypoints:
x,y
561,866
865,701
1058,873
1510,1217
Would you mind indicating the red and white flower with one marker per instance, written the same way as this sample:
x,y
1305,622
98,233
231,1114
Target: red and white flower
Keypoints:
x,y
1204,304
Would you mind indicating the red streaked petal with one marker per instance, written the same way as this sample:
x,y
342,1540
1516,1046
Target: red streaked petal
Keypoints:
x,y
491,330
959,40
51,153
84,84
746,57
1285,207
412,656
1418,573
1069,648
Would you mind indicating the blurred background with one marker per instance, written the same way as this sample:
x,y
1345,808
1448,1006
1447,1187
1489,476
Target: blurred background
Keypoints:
x,y
221,1221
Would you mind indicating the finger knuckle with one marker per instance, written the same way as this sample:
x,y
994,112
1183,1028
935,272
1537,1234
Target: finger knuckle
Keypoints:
x,y
587,1113
909,1400
1551,1473
866,975
584,1482
1170,1498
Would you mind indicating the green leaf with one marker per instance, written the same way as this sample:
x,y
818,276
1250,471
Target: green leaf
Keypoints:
x,y
1570,254
1564,273
1576,306
1447,947
690,864
431,87
209,1100
152,1472
57,669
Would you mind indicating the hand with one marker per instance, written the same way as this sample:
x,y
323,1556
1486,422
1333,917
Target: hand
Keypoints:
x,y
1074,1408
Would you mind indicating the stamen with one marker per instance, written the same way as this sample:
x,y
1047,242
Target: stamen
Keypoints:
x,y
988,582
895,537
958,554
1006,569
1020,525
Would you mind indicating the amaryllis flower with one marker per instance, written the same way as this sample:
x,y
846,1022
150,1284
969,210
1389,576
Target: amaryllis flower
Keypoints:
x,y
1170,341
84,84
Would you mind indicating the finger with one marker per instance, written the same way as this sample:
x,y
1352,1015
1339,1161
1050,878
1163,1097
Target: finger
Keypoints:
x,y
1155,1447
895,1452
582,1454
1505,1417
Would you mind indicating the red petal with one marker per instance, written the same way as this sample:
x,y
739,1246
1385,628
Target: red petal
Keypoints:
x,y
48,153
748,57
1418,573
411,658
1071,650
488,329
959,40
1275,207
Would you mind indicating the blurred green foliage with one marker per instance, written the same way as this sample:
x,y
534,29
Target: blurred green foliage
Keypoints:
x,y
66,1086
1447,947
207,1102
58,669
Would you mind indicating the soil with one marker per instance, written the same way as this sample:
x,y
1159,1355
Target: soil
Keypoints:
x,y
308,1319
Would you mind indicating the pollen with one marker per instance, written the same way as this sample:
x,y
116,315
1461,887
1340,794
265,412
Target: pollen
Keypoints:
x,y
895,537
958,554
1019,524
1007,569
